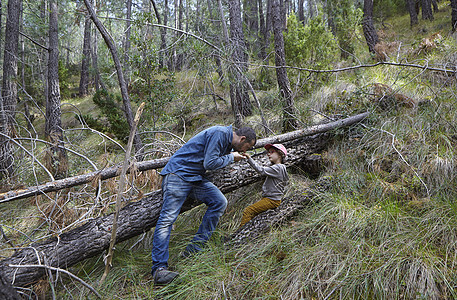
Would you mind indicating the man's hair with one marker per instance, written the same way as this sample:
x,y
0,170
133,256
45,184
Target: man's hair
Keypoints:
x,y
248,132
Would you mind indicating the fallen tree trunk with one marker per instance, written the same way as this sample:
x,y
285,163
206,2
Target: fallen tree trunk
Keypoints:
x,y
289,207
7,291
93,237
159,163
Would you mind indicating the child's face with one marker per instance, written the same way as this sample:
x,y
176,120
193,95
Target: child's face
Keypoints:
x,y
274,156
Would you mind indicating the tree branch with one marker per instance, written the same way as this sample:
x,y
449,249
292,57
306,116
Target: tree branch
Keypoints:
x,y
160,163
63,271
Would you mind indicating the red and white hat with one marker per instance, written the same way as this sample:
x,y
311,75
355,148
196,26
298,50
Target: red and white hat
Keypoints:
x,y
279,147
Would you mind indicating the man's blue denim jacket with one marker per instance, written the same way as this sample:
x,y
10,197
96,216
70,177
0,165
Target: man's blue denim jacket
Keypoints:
x,y
208,150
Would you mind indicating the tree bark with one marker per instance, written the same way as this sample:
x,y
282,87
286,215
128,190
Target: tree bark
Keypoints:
x,y
163,33
9,87
288,208
435,6
7,291
120,75
368,28
454,14
427,13
289,120
310,9
179,56
159,163
57,156
98,80
411,6
251,22
128,31
85,63
301,11
135,218
241,106
262,32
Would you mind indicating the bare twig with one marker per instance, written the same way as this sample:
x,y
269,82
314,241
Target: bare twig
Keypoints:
x,y
109,257
63,271
159,163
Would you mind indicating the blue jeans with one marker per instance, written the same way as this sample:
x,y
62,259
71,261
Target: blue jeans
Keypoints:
x,y
174,193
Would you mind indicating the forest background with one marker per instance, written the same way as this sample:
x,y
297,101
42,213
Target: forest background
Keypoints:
x,y
75,72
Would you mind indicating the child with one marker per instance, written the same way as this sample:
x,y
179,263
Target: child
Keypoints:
x,y
274,185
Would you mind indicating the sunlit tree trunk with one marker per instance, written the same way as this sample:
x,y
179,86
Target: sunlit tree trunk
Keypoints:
x,y
289,122
368,28
241,106
57,157
9,87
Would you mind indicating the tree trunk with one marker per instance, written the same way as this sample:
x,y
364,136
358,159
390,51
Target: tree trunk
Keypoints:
x,y
289,121
262,32
310,9
179,56
98,80
411,6
160,163
29,118
7,291
251,23
85,64
427,13
128,31
454,14
120,75
368,28
241,106
435,6
224,25
57,157
220,39
135,218
301,11
163,35
288,208
9,87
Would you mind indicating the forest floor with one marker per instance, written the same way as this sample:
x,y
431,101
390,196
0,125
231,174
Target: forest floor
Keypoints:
x,y
385,229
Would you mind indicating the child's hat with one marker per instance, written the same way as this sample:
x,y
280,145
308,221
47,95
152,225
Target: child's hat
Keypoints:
x,y
279,147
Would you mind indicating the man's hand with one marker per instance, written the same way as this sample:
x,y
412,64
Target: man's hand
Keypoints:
x,y
246,155
238,156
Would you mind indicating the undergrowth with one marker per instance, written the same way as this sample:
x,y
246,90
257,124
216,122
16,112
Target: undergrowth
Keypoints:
x,y
385,229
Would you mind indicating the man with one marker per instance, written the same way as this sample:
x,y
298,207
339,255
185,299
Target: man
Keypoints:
x,y
184,175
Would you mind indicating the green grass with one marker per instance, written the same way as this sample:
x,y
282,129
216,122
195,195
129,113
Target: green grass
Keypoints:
x,y
385,229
